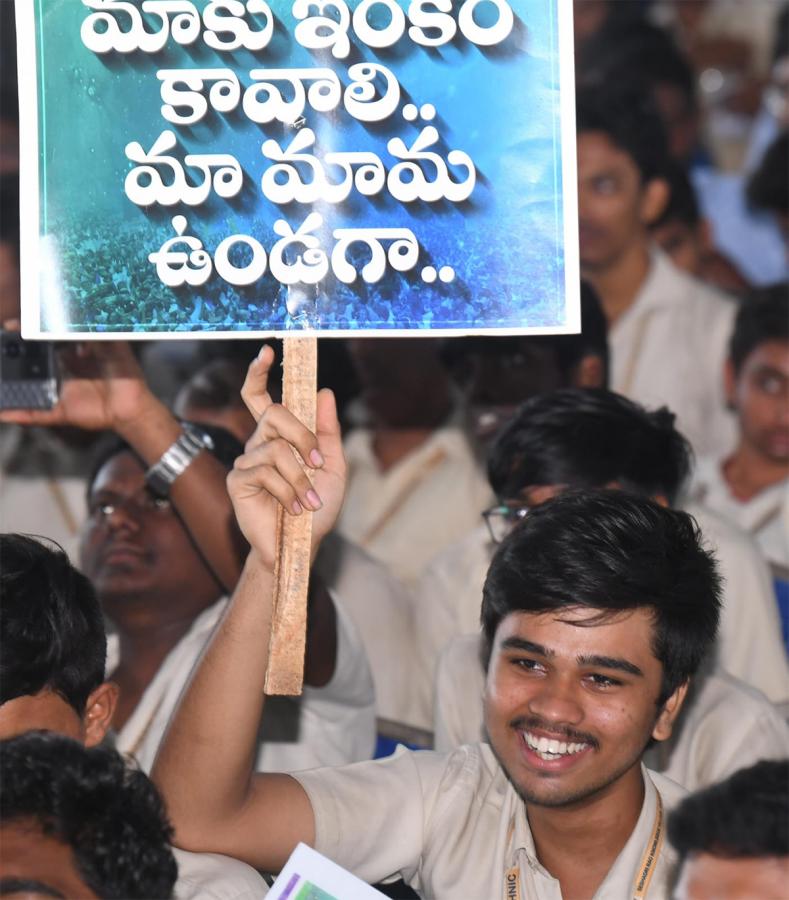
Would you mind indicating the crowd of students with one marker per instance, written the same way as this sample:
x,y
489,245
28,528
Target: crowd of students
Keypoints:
x,y
555,569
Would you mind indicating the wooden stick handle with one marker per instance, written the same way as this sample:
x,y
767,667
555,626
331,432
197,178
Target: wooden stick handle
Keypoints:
x,y
285,674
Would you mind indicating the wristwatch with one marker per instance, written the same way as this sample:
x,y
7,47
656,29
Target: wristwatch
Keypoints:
x,y
177,458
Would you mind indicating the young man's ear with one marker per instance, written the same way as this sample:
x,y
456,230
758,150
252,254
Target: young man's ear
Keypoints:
x,y
99,711
654,200
669,712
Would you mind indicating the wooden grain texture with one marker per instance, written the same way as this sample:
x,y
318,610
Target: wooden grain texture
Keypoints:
x,y
285,674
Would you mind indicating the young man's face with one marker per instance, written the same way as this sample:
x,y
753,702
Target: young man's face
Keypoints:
x,y
134,544
614,206
570,707
760,394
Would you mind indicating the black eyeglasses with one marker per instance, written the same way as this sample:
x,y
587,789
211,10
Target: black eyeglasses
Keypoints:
x,y
502,519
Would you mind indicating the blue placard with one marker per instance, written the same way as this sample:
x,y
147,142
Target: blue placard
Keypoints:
x,y
258,166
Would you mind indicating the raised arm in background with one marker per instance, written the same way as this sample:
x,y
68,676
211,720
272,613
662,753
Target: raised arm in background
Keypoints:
x,y
104,388
205,765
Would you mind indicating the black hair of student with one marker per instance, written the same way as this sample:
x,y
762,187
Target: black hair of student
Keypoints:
x,y
227,448
781,32
566,350
626,114
51,630
744,817
763,316
682,204
109,814
642,52
589,438
611,551
768,188
9,207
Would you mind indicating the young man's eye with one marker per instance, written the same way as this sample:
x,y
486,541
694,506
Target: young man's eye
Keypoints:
x,y
603,681
770,384
606,185
523,662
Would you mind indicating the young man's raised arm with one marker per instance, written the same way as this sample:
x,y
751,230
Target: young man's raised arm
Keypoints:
x,y
205,765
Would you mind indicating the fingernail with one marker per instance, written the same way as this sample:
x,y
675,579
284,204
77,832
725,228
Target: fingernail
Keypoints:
x,y
315,458
315,500
297,508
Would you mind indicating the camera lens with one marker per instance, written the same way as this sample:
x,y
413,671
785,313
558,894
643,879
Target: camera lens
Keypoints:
x,y
12,349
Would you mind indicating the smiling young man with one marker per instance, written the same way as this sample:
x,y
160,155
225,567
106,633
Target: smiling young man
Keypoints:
x,y
598,610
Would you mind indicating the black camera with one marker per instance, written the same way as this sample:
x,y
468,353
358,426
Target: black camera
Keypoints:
x,y
28,373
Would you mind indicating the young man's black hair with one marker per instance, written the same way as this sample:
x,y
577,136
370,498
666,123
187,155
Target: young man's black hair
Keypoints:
x,y
763,316
627,115
745,816
111,816
768,188
51,630
646,55
611,551
589,438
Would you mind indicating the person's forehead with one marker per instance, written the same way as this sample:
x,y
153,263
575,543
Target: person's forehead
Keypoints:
x,y
596,150
31,855
773,354
575,631
122,471
708,877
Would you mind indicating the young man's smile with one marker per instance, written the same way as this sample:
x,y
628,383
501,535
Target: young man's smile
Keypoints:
x,y
571,702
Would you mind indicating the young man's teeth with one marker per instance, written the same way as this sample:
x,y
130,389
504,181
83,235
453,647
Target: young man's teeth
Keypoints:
x,y
548,748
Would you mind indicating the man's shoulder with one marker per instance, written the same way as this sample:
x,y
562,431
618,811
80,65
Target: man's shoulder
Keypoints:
x,y
210,876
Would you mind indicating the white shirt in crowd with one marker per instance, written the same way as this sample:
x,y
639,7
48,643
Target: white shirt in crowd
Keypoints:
x,y
669,349
211,876
326,726
42,490
406,515
452,825
724,725
765,516
380,608
448,601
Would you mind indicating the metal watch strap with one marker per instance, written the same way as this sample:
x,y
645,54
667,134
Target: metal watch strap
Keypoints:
x,y
176,459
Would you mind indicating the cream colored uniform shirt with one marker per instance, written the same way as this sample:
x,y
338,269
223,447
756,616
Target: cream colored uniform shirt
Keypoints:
x,y
36,496
669,349
452,826
381,610
211,876
765,516
724,725
405,516
326,726
448,600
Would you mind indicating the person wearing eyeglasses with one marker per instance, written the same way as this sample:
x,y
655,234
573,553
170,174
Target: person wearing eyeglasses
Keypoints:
x,y
577,438
592,640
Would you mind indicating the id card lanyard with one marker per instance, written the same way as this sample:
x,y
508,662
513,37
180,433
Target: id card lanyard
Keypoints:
x,y
646,869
